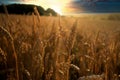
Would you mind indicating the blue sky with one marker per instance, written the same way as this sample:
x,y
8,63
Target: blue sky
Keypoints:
x,y
99,6
74,6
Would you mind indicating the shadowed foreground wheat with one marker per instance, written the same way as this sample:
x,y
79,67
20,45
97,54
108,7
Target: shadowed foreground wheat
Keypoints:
x,y
59,48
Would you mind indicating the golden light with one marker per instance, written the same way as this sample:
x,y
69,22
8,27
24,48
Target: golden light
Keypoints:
x,y
58,5
57,9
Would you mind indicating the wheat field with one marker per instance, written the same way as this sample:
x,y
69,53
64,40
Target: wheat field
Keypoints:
x,y
59,48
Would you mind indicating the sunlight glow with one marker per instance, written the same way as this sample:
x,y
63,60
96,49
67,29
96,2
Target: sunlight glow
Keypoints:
x,y
57,9
57,5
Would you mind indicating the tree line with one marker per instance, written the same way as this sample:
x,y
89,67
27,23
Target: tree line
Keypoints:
x,y
26,9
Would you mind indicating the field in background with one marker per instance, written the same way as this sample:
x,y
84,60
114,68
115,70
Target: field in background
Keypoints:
x,y
65,48
100,16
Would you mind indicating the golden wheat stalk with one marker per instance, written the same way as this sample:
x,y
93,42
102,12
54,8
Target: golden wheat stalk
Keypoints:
x,y
11,53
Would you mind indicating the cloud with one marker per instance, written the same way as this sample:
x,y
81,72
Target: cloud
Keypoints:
x,y
8,1
74,6
95,6
16,1
80,6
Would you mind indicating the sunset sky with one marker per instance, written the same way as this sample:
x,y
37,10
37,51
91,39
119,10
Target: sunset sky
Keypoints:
x,y
73,6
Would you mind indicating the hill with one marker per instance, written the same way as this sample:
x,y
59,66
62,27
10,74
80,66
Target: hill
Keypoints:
x,y
26,9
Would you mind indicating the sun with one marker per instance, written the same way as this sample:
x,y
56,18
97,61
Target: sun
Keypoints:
x,y
58,6
57,9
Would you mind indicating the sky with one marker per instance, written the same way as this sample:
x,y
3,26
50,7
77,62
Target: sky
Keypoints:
x,y
73,6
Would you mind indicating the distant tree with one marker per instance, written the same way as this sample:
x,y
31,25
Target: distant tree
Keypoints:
x,y
51,11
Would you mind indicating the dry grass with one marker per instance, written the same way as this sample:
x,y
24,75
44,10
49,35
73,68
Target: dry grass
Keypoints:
x,y
63,48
